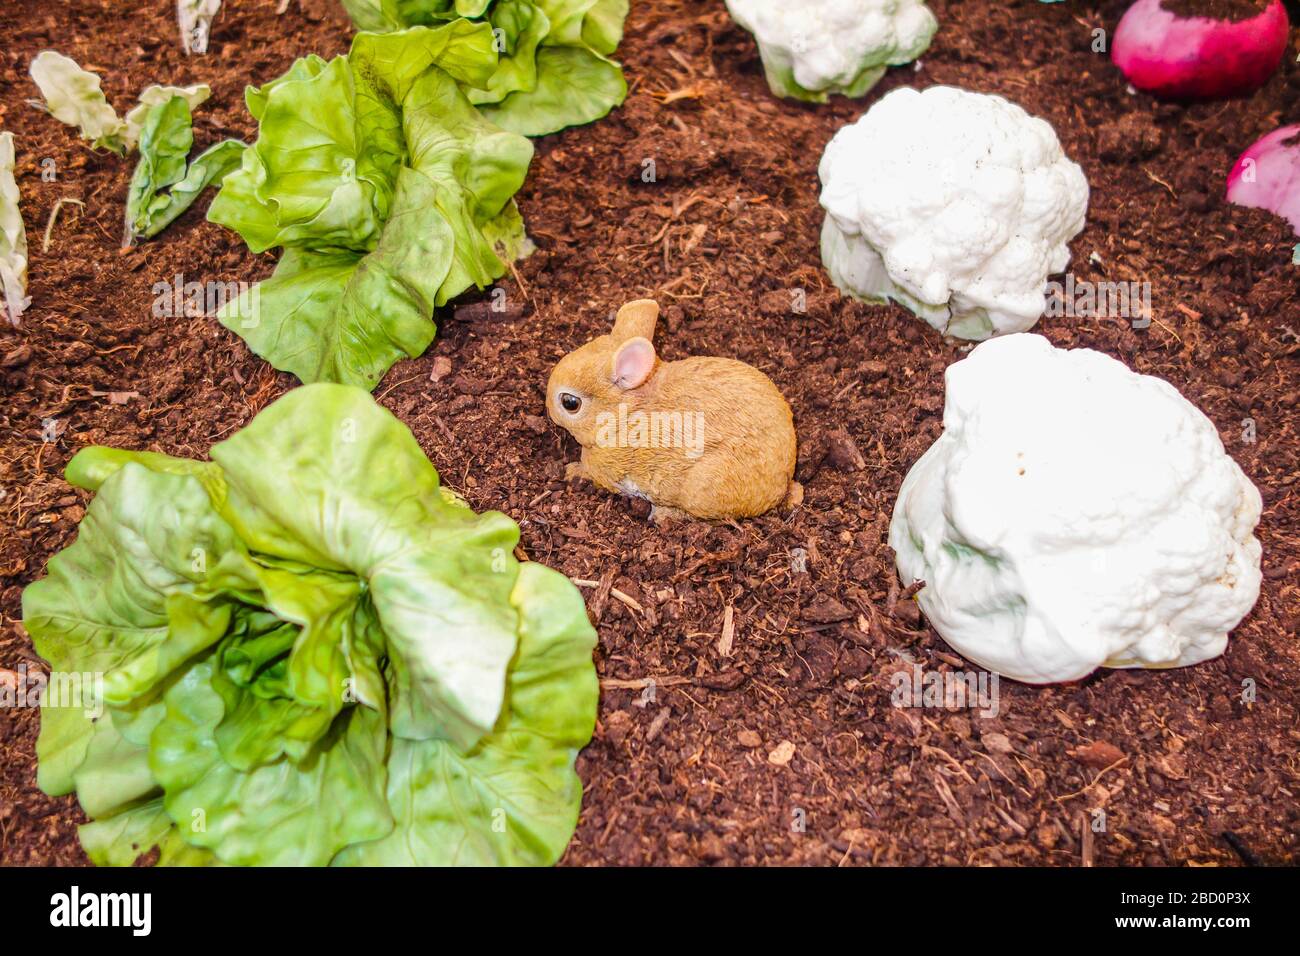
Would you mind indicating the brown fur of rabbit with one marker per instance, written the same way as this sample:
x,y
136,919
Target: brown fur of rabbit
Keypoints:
x,y
740,463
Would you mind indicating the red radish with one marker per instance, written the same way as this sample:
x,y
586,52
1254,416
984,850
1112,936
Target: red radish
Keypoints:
x,y
1267,176
1198,57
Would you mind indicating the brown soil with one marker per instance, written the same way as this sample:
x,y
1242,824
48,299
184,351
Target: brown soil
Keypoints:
x,y
1230,10
1185,770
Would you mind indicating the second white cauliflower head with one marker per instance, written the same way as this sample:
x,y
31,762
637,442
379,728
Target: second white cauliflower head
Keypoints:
x,y
957,205
1075,515
812,48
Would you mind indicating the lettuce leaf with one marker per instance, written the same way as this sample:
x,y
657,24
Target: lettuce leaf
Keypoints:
x,y
13,239
73,96
574,86
194,17
163,186
513,798
312,653
152,96
389,192
554,69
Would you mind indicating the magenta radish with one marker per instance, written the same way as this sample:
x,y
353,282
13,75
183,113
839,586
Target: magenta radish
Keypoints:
x,y
1267,175
1176,56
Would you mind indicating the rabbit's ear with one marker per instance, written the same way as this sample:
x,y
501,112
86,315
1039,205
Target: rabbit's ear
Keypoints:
x,y
636,318
632,363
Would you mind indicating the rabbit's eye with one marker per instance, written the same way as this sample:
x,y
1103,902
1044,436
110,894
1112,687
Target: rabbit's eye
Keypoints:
x,y
570,402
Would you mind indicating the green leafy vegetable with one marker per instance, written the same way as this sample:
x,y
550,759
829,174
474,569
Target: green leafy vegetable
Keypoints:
x,y
159,124
311,653
389,192
554,69
153,96
73,96
163,187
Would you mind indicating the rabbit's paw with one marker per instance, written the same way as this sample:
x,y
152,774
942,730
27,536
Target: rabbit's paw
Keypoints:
x,y
793,496
662,514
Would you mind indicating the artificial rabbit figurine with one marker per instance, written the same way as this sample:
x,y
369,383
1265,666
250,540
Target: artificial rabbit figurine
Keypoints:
x,y
703,437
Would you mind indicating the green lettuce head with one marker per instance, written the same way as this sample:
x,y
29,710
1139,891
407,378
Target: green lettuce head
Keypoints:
x,y
309,653
389,192
554,68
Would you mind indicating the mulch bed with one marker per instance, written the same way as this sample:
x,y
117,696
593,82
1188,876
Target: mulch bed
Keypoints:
x,y
1185,770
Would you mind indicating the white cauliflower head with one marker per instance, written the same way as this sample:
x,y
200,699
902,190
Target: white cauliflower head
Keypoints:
x,y
957,205
813,48
1075,515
